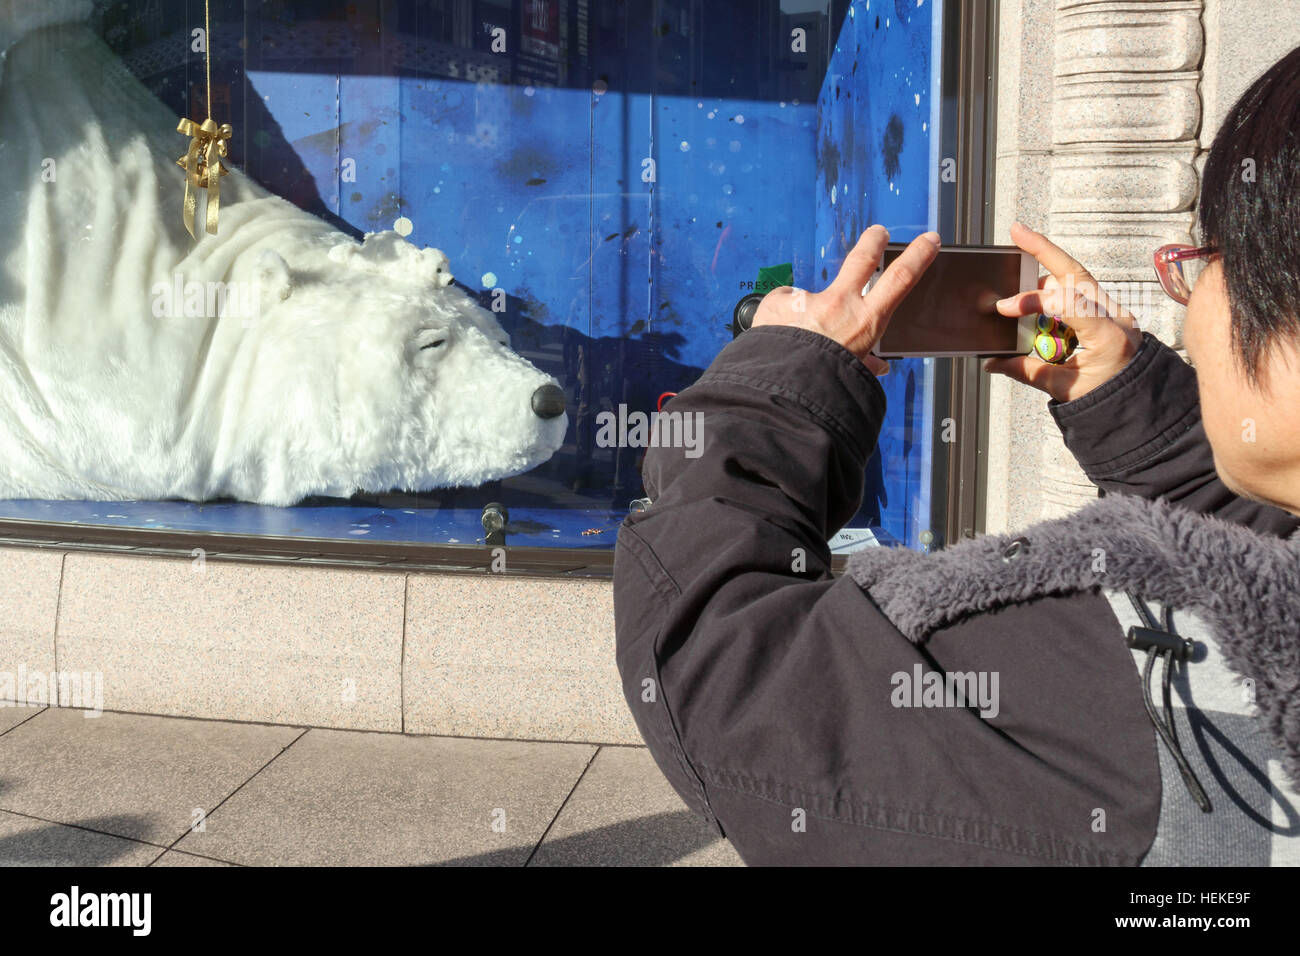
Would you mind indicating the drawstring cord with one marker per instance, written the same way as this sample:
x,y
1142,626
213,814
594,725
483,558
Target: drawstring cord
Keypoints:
x,y
1164,642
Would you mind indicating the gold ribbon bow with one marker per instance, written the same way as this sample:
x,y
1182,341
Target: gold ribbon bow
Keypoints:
x,y
203,169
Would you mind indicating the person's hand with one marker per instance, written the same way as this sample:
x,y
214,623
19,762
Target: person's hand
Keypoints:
x,y
841,311
1108,334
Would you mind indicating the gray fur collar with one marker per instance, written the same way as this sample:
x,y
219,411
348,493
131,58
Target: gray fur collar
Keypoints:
x,y
1244,585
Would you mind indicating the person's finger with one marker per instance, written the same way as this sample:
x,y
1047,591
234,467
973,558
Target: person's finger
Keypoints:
x,y
1009,305
903,273
1024,303
860,264
1026,369
876,365
1114,308
1086,316
1068,272
1053,258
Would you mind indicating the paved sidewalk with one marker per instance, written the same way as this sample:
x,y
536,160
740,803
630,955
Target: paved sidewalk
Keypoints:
x,y
135,790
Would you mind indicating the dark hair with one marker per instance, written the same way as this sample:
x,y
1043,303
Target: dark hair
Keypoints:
x,y
1256,224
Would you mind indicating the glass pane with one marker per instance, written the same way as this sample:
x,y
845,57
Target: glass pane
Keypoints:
x,y
605,178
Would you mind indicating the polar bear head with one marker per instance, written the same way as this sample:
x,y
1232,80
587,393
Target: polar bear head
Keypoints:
x,y
370,371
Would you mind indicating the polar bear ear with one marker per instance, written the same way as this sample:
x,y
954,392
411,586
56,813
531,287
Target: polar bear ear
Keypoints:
x,y
271,273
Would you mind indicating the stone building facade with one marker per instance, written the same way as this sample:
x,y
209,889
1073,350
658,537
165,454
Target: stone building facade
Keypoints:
x,y
1105,109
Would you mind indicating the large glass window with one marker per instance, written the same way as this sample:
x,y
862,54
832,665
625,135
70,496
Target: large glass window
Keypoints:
x,y
606,178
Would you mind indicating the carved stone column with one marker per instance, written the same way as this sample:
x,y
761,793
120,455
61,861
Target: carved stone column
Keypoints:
x,y
1108,172
1125,118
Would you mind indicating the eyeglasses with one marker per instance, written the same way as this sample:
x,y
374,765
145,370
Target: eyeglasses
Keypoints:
x,y
1178,266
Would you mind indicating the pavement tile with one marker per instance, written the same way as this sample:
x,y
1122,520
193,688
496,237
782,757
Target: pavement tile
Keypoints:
x,y
144,775
625,813
11,716
174,858
28,842
351,798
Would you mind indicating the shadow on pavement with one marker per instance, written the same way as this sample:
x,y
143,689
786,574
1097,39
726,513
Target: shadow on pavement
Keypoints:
x,y
56,844
656,840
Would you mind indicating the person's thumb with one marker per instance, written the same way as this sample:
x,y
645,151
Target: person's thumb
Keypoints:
x,y
1025,369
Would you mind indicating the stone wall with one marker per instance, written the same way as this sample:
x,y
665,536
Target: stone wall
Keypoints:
x,y
1105,108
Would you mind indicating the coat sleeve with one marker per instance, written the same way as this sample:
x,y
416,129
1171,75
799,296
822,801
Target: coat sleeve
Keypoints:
x,y
764,685
1141,434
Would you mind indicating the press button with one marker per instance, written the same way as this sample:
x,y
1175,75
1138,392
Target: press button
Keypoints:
x,y
1015,549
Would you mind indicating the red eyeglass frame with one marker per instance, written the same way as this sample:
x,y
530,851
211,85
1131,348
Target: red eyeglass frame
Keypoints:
x,y
1174,252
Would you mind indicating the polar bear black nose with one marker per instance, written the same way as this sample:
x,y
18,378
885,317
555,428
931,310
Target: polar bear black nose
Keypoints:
x,y
548,402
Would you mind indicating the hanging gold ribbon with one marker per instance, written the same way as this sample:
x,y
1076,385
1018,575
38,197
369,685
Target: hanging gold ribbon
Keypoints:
x,y
203,168
202,162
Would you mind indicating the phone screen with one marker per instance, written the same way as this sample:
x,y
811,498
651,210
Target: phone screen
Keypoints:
x,y
953,306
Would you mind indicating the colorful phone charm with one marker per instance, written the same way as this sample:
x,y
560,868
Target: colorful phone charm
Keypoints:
x,y
1054,341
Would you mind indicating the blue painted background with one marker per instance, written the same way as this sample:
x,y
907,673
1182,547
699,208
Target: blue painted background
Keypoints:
x,y
876,163
620,176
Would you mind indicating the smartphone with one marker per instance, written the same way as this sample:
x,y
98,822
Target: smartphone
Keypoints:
x,y
952,309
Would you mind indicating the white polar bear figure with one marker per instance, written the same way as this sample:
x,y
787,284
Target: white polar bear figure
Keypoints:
x,y
345,367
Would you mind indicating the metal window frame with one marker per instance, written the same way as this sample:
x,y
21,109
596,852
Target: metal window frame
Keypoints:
x,y
968,135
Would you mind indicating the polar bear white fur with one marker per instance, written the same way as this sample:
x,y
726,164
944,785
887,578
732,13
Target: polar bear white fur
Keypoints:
x,y
275,360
